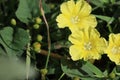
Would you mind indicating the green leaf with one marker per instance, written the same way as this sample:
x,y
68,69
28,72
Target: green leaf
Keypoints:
x,y
118,3
98,3
20,39
7,35
105,18
8,51
112,1
70,69
45,7
105,1
23,12
84,70
117,70
93,69
34,8
74,69
14,40
2,51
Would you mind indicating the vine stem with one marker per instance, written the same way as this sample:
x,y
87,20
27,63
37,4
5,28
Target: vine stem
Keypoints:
x,y
48,33
61,76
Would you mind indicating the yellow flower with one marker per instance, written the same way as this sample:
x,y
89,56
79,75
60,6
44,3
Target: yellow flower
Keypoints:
x,y
113,49
76,15
87,44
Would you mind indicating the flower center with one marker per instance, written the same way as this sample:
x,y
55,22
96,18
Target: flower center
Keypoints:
x,y
115,50
88,46
75,19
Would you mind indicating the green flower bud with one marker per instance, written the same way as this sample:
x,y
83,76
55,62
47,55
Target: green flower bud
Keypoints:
x,y
112,75
51,5
36,26
36,46
44,71
39,37
76,78
28,30
13,21
38,20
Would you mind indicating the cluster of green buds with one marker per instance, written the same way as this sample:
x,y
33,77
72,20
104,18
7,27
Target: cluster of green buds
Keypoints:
x,y
37,44
37,23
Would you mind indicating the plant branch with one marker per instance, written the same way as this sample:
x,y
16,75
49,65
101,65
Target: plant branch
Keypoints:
x,y
48,33
54,55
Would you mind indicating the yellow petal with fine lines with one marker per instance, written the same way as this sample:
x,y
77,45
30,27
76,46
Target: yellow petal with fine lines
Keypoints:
x,y
85,9
111,38
95,33
89,21
71,6
75,39
115,58
75,52
78,6
62,21
64,9
103,46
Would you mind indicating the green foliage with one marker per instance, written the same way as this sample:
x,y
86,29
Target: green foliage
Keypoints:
x,y
26,11
13,41
84,70
23,12
98,3
105,18
18,36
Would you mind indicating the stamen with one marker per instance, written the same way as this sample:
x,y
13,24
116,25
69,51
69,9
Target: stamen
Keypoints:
x,y
88,46
115,50
75,19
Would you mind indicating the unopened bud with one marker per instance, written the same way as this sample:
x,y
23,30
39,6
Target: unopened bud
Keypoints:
x,y
36,46
38,20
39,37
36,26
13,21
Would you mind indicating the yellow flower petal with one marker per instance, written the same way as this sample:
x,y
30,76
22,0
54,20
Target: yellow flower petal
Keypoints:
x,y
114,58
75,52
64,9
93,33
62,21
78,6
76,37
111,38
89,21
101,47
85,9
71,6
